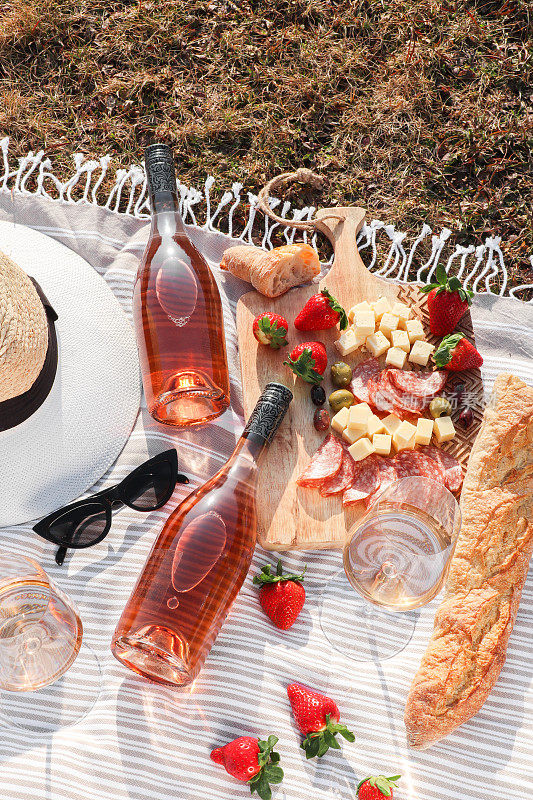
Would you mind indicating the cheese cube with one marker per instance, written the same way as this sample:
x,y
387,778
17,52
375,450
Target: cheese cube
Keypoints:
x,y
358,416
377,344
382,443
364,323
391,423
340,420
373,425
389,322
421,352
361,449
352,436
424,430
380,306
364,306
347,342
400,339
411,443
396,357
443,429
401,310
414,328
404,436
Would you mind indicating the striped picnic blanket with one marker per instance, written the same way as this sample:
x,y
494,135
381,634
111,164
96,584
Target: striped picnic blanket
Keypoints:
x,y
145,742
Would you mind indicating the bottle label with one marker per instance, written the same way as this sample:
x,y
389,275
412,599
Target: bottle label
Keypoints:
x,y
160,171
269,412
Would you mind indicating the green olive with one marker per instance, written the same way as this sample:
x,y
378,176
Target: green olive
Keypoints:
x,y
341,374
440,407
342,398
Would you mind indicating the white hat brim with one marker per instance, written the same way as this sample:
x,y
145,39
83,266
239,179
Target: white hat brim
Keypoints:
x,y
73,438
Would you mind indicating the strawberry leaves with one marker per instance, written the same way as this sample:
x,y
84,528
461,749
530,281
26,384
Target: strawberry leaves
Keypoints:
x,y
383,784
304,367
270,772
444,353
266,575
319,742
335,306
445,284
274,333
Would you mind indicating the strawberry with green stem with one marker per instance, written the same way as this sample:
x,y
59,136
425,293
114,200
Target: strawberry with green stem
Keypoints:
x,y
282,596
448,301
322,311
308,360
317,717
270,329
251,760
377,787
456,353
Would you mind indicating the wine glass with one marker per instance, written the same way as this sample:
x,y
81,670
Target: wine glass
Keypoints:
x,y
396,558
41,651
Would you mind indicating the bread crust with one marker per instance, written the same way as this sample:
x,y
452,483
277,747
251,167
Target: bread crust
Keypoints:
x,y
487,572
272,273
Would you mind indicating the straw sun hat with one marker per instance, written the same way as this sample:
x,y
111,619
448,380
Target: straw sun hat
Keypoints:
x,y
69,375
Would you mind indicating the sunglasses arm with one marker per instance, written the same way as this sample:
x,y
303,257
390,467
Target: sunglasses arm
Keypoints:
x,y
60,555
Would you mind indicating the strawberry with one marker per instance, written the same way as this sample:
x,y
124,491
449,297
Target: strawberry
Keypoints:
x,y
447,302
270,329
281,596
455,353
321,312
308,360
317,717
253,761
377,787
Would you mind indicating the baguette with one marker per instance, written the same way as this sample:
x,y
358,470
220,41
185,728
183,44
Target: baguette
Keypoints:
x,y
487,572
272,273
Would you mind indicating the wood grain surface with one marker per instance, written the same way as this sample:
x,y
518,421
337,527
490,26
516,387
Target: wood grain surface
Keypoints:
x,y
290,516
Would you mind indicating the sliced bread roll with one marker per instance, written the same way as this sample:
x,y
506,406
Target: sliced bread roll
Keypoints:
x,y
272,273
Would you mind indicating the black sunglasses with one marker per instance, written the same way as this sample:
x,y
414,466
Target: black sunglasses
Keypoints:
x,y
88,521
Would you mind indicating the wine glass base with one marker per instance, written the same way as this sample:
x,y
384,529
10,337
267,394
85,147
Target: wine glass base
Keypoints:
x,y
64,702
360,630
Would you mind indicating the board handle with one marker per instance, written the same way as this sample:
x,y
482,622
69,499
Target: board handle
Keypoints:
x,y
343,224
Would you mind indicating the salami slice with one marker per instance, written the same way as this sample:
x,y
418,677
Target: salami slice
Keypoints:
x,y
362,374
410,463
386,397
407,402
387,475
453,473
380,396
342,479
325,463
419,384
365,481
407,464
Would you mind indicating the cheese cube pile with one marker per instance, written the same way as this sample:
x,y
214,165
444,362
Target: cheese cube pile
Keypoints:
x,y
366,433
385,330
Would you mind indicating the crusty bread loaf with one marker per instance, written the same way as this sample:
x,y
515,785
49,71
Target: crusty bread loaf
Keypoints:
x,y
487,572
272,273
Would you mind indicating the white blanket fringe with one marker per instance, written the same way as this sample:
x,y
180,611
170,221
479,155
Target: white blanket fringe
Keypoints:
x,y
481,268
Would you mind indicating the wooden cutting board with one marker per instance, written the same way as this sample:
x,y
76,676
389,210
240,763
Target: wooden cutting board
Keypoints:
x,y
290,516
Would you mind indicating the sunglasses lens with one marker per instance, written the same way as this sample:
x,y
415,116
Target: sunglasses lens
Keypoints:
x,y
80,527
148,489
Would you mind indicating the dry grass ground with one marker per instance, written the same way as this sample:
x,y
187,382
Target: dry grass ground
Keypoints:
x,y
422,110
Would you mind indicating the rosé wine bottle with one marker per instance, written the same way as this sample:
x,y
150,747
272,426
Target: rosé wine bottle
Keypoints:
x,y
177,312
199,562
